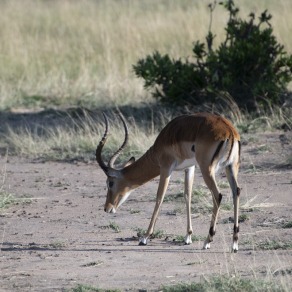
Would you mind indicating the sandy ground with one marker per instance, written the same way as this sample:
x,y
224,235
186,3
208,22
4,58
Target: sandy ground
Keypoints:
x,y
61,236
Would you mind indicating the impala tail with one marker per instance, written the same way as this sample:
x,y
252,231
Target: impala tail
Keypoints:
x,y
226,153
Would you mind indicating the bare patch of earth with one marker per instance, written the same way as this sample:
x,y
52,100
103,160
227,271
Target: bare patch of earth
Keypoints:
x,y
62,237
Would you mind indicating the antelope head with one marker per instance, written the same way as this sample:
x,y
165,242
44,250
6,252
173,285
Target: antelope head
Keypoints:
x,y
118,188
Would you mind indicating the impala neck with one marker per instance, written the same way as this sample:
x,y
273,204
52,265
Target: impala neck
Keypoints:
x,y
142,170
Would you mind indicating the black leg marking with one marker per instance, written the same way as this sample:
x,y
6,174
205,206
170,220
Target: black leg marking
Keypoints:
x,y
235,235
212,231
220,198
238,192
193,148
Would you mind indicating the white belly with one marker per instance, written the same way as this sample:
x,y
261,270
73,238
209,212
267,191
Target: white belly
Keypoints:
x,y
186,164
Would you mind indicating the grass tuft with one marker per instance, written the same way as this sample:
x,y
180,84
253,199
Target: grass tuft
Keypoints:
x,y
274,245
225,284
77,140
88,288
181,238
287,224
6,200
155,234
115,227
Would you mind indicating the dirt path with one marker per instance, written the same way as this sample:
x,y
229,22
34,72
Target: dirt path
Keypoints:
x,y
62,237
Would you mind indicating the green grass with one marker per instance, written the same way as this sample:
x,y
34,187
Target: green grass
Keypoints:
x,y
223,184
287,224
274,245
226,284
212,284
180,238
179,197
57,245
263,148
89,288
156,234
6,200
288,162
133,211
93,264
201,200
115,227
241,218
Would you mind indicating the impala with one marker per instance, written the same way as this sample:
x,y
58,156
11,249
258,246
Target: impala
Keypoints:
x,y
202,139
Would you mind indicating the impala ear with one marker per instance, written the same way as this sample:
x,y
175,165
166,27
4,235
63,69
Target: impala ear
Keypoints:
x,y
131,160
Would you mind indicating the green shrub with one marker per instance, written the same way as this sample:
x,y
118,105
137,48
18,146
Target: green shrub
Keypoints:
x,y
249,65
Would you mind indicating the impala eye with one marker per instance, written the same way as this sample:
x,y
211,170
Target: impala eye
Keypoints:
x,y
110,184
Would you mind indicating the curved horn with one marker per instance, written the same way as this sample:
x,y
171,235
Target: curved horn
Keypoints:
x,y
99,160
115,156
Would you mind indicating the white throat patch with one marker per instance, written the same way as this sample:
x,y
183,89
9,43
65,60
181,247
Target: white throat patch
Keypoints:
x,y
124,198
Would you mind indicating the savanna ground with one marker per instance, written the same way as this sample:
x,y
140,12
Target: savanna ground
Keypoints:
x,y
58,58
56,236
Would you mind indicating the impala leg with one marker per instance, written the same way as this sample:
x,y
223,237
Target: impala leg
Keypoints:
x,y
231,173
210,181
189,179
162,187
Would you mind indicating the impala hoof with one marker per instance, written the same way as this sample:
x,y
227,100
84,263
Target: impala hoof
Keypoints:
x,y
206,245
234,247
188,239
143,241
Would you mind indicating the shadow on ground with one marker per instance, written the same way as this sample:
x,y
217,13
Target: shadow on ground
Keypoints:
x,y
69,117
144,115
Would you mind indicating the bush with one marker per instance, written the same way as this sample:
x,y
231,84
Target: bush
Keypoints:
x,y
250,65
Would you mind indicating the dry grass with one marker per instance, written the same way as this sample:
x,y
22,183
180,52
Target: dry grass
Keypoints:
x,y
80,53
6,198
78,139
79,136
56,53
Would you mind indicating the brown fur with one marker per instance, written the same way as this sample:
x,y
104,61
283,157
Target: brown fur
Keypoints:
x,y
204,125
